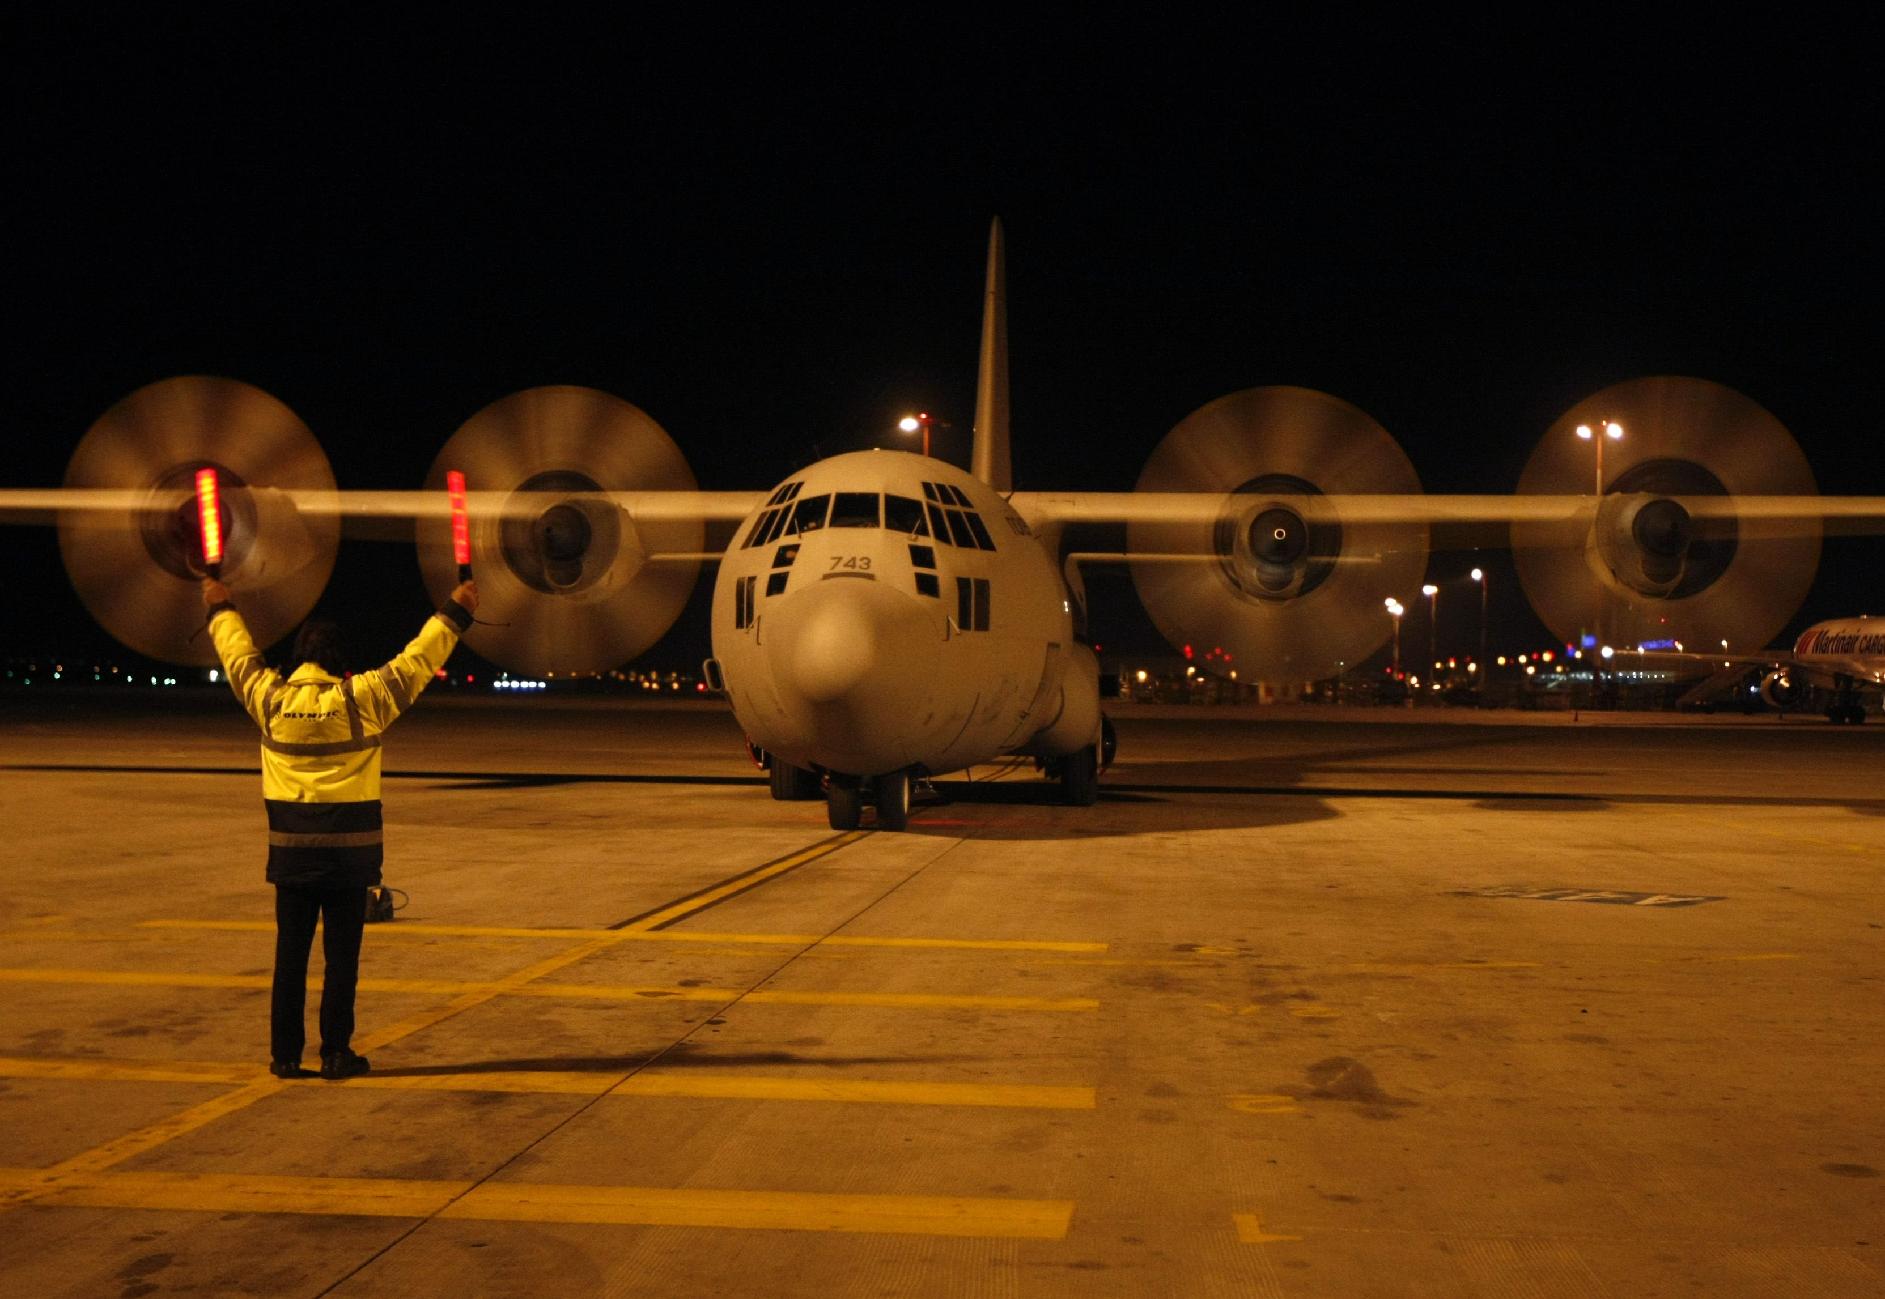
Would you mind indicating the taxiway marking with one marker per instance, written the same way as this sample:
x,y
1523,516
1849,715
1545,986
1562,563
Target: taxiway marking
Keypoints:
x,y
593,1083
426,929
524,984
1250,1231
923,1215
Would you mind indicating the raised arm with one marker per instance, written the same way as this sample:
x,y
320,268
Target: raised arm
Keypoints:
x,y
387,691
248,675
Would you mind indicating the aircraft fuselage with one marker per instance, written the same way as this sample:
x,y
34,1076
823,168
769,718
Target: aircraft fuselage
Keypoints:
x,y
884,611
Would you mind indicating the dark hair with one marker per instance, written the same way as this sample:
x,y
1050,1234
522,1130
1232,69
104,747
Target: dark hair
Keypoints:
x,y
319,641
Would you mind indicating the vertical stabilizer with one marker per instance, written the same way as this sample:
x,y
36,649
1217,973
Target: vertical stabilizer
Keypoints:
x,y
988,460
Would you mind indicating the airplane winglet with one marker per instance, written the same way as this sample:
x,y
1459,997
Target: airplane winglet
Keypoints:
x,y
989,459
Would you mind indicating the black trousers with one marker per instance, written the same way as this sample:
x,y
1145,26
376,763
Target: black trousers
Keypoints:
x,y
342,913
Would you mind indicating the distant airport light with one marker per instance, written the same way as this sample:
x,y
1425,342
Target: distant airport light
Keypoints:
x,y
1430,589
1531,670
1479,575
1613,431
1608,652
1140,675
210,521
920,420
1546,656
1502,660
461,526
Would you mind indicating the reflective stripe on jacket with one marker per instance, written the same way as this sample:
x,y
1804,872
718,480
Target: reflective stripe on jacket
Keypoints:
x,y
321,745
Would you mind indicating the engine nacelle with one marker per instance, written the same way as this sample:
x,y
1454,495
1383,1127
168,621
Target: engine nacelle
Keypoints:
x,y
567,580
1661,552
1279,586
137,569
1781,690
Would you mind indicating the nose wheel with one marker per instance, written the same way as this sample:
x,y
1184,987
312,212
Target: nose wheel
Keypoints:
x,y
893,800
890,793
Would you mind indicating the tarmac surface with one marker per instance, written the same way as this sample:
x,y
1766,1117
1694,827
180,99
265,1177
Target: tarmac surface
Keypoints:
x,y
1314,1003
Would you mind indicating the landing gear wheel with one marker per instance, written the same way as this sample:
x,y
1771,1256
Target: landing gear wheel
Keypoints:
x,y
791,784
1080,777
893,800
844,805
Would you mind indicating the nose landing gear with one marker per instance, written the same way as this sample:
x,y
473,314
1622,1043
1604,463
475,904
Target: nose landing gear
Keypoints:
x,y
889,793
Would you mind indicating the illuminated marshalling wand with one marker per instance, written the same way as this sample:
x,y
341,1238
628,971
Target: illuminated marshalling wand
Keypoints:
x,y
461,526
210,522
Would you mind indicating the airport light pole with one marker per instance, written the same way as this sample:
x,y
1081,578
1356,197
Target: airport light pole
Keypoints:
x,y
1613,432
1395,610
920,420
1479,576
1432,593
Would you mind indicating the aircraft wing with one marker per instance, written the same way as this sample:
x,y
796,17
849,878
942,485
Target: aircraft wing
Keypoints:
x,y
1846,514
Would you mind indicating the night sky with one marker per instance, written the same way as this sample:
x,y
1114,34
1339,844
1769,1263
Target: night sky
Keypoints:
x,y
771,239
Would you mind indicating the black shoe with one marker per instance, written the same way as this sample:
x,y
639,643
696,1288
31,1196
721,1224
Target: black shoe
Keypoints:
x,y
289,1069
343,1064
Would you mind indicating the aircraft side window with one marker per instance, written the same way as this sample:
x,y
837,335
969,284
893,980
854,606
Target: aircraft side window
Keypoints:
x,y
901,514
953,493
938,528
743,602
792,490
784,555
959,530
854,510
759,529
982,538
775,582
929,491
923,556
809,515
775,525
981,604
926,584
965,604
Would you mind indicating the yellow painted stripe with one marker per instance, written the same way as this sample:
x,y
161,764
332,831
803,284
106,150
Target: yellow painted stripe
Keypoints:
x,y
924,1215
700,901
1422,967
521,985
1250,1231
424,929
690,1084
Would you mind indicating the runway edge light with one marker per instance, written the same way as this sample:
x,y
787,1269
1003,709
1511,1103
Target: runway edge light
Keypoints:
x,y
461,527
210,522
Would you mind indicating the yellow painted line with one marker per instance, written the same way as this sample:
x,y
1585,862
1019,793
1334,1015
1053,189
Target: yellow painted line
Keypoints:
x,y
1263,1103
1251,1232
700,901
1422,967
522,985
923,1215
426,929
689,1084
183,1071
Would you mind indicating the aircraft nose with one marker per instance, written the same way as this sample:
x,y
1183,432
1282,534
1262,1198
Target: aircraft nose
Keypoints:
x,y
834,650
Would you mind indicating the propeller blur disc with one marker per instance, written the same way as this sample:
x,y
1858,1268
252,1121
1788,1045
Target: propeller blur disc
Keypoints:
x,y
1681,436
136,569
1274,444
566,582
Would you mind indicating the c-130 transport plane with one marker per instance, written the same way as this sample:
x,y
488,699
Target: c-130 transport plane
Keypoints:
x,y
882,616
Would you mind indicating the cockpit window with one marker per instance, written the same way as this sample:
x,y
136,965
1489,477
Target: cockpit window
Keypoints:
x,y
854,510
901,514
809,515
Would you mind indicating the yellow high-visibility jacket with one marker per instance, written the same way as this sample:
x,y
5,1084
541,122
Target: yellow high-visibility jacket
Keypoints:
x,y
321,746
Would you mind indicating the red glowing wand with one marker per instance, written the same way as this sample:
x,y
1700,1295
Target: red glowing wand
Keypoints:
x,y
461,526
210,522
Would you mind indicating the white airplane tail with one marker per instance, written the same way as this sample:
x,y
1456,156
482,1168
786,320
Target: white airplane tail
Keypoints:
x,y
989,460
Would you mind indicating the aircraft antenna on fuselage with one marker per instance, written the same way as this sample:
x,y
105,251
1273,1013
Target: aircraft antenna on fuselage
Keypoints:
x,y
989,460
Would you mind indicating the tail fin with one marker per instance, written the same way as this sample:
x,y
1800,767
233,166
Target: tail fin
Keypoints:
x,y
989,460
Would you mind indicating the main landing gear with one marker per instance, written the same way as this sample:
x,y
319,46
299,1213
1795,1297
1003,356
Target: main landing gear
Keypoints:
x,y
791,784
889,793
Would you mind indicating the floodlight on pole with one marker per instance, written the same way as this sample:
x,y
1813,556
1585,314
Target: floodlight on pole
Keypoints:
x,y
1613,432
1432,593
1479,576
920,420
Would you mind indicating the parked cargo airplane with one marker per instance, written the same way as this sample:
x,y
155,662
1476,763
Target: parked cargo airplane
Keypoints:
x,y
1843,659
882,615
